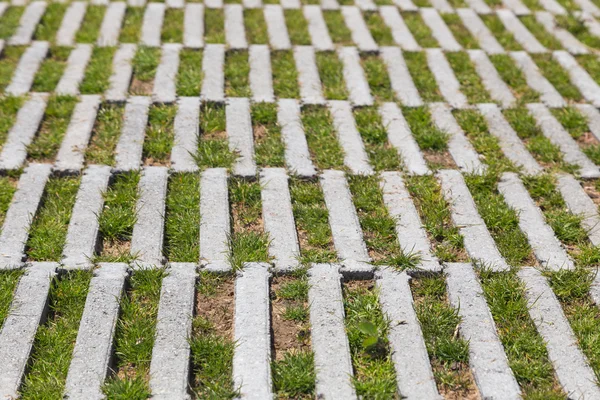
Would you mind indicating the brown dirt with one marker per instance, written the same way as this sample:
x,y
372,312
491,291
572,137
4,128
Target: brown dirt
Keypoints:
x,y
149,161
587,139
115,248
260,132
440,159
590,189
138,87
217,135
237,211
218,307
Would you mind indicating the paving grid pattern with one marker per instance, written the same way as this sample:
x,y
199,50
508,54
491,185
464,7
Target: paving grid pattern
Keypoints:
x,y
169,370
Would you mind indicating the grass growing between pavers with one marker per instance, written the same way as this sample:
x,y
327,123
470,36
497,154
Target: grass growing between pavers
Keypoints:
x,y
374,374
460,32
381,33
285,75
172,29
9,22
470,82
578,29
503,35
248,241
419,30
50,22
325,149
377,77
55,339
132,25
448,352
558,77
105,134
256,27
297,27
182,219
90,26
189,76
591,64
269,149
212,343
540,33
159,134
213,146
9,58
144,63
237,69
9,107
98,71
48,232
576,124
8,187
514,78
293,365
134,336
118,218
422,77
51,70
432,141
56,119
312,222
339,32
331,71
214,25
382,155
8,284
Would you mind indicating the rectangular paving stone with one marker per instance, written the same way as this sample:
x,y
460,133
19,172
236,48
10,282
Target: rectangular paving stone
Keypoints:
x,y
261,77
409,227
175,3
333,365
28,66
400,78
309,80
111,24
94,345
512,146
121,73
548,94
29,118
170,365
579,77
479,6
400,32
557,134
27,311
82,234
65,36
400,136
215,225
186,127
329,5
148,232
517,7
319,34
366,5
193,26
164,88
290,4
252,328
588,7
75,70
234,27
445,78
213,3
361,35
128,154
278,219
406,5
545,245
355,156
72,149
240,135
592,115
297,155
276,27
24,205
491,79
442,6
480,31
566,39
27,24
134,3
487,358
579,203
359,92
520,32
439,29
553,7
213,78
152,24
570,365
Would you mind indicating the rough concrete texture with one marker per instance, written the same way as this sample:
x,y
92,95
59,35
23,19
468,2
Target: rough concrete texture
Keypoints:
x,y
213,82
579,203
152,24
128,154
164,88
520,32
496,87
240,134
111,24
309,80
65,36
359,92
592,116
400,32
276,27
75,70
28,66
29,19
445,78
261,77
480,31
297,155
400,78
186,128
193,26
319,34
566,39
235,34
579,77
361,35
121,76
548,94
215,223
439,29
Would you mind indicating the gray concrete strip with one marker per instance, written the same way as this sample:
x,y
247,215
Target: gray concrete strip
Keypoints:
x,y
359,92
400,78
148,232
164,90
261,76
366,5
566,39
592,115
442,6
512,146
487,359
445,78
75,70
213,3
400,32
409,227
333,364
554,7
213,80
459,147
579,77
276,27
297,155
548,93
570,365
72,149
235,33
355,156
30,62
479,6
128,154
241,136
439,29
361,36
82,234
406,5
132,3
592,25
480,31
28,23
579,203
520,32
29,118
465,216
557,134
193,26
308,75
111,24
400,136
517,7
491,79
588,7
215,225
547,248
179,4
93,350
27,311
317,28
170,365
345,227
186,127
252,3
152,24
3,6
290,4
278,219
252,333
121,73
65,36
328,5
